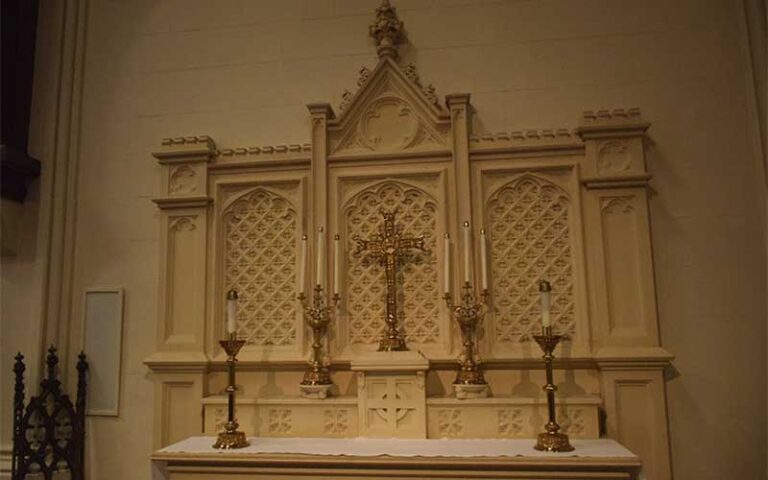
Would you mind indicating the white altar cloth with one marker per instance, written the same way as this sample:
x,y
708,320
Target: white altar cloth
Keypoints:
x,y
372,447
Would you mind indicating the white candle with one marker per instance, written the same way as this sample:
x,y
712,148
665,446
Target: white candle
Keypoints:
x,y
447,263
545,290
483,260
466,252
303,269
336,264
320,257
231,310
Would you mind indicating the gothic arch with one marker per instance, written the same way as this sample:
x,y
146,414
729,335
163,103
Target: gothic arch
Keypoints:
x,y
260,229
530,237
419,292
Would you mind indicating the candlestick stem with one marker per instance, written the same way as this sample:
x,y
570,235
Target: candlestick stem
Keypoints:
x,y
231,438
552,440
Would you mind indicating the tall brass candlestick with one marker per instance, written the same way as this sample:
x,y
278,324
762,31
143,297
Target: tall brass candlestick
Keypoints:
x,y
469,379
231,437
317,380
551,440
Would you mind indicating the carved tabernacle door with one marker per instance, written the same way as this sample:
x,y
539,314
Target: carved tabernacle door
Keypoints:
x,y
565,205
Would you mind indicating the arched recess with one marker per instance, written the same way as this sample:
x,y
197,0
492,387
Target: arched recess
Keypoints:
x,y
418,292
259,261
530,237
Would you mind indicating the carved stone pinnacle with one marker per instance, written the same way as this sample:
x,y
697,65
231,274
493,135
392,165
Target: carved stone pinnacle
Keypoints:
x,y
387,30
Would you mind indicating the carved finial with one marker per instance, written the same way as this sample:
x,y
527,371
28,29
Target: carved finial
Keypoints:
x,y
82,368
346,98
365,74
387,30
431,94
52,360
412,74
18,369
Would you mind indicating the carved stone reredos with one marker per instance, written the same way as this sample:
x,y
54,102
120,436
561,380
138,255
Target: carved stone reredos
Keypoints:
x,y
387,30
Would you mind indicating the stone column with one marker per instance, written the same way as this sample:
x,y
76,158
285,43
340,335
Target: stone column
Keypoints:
x,y
624,323
180,361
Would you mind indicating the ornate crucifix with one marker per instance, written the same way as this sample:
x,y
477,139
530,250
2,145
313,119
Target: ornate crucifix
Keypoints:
x,y
388,247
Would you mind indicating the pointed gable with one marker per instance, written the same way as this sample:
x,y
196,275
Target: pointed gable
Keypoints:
x,y
391,112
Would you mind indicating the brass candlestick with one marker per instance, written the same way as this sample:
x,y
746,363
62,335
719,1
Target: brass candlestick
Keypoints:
x,y
317,379
231,437
468,314
551,440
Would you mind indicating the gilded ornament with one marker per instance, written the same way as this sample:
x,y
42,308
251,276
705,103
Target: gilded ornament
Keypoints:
x,y
389,247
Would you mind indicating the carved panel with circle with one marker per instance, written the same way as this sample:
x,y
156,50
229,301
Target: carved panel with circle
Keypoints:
x,y
613,157
183,180
388,123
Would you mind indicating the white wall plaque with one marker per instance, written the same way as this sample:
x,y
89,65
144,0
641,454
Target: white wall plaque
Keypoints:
x,y
102,343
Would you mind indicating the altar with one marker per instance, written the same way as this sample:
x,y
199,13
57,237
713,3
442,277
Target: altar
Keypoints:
x,y
393,277
358,459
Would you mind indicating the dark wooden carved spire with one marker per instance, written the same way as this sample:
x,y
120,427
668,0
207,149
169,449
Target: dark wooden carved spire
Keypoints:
x,y
49,433
18,406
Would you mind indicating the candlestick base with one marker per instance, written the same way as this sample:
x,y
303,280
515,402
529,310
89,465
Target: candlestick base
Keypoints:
x,y
392,339
317,375
553,442
317,392
229,440
392,344
467,391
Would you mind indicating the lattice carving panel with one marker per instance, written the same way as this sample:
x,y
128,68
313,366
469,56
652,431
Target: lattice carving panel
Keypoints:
x,y
530,240
418,294
260,263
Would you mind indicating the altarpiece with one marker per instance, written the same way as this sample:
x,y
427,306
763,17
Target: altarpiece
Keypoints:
x,y
567,205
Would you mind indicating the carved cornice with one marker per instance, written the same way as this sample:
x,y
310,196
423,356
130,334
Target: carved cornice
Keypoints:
x,y
189,140
169,203
650,358
266,150
263,155
633,358
178,362
617,181
190,149
526,140
321,109
614,123
513,400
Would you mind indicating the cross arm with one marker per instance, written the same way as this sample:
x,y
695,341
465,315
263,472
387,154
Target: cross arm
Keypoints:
x,y
372,246
417,242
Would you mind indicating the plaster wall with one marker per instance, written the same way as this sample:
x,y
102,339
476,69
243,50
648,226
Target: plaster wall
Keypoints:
x,y
243,72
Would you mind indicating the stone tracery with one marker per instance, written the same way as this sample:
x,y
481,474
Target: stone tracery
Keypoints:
x,y
419,295
260,263
530,237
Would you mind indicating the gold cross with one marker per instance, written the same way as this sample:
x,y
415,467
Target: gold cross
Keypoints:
x,y
388,247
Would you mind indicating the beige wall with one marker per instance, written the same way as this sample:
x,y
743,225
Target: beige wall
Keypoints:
x,y
243,71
